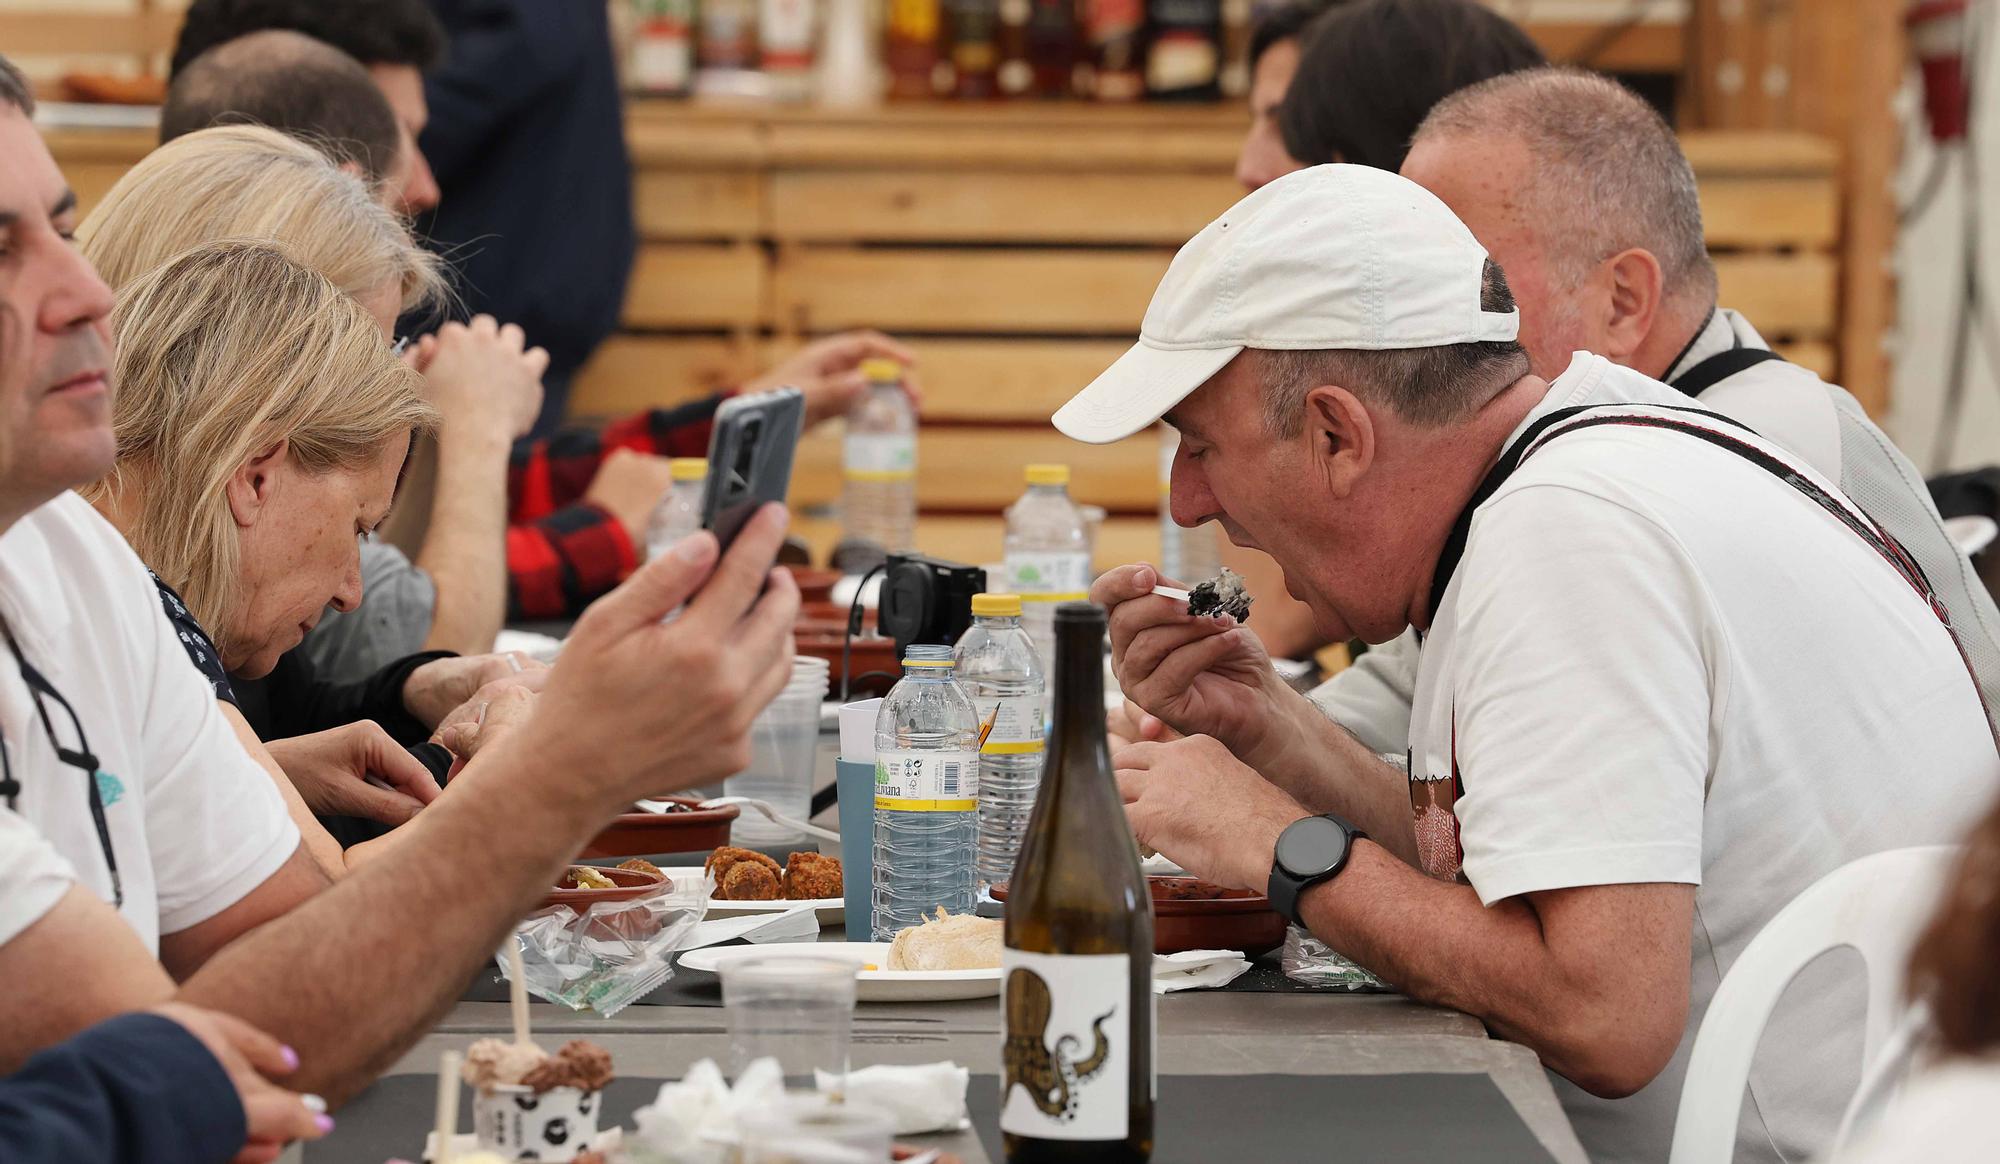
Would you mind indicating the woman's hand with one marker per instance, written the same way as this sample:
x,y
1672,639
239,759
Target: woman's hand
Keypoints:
x,y
828,372
488,716
275,1116
480,373
331,770
440,686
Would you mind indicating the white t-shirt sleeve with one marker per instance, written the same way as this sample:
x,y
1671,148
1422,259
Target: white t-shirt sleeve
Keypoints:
x,y
217,823
1581,712
33,876
1372,697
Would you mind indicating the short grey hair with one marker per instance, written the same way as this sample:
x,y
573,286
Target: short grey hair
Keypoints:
x,y
1611,174
14,88
1431,387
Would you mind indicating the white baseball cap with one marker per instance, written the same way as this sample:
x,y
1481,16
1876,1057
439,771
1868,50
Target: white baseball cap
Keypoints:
x,y
1338,256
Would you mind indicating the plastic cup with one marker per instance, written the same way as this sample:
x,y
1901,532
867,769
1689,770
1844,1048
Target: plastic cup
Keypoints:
x,y
813,1129
797,1010
783,742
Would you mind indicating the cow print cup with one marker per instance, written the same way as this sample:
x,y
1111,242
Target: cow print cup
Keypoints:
x,y
520,1124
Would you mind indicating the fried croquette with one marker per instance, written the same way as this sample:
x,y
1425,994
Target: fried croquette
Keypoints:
x,y
813,877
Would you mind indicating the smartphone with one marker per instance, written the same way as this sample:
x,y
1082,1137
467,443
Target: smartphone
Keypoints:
x,y
750,458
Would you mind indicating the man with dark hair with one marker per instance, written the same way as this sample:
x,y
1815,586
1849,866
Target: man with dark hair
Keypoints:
x,y
1274,57
397,40
296,85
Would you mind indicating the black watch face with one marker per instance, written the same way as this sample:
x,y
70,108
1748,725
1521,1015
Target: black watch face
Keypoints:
x,y
1311,847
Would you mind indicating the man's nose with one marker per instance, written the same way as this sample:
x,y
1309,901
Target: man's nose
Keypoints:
x,y
1189,499
77,296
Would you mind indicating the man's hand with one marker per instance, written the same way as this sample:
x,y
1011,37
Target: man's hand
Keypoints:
x,y
498,709
637,707
434,690
629,485
1129,724
275,1116
1200,676
331,770
828,371
1202,807
482,376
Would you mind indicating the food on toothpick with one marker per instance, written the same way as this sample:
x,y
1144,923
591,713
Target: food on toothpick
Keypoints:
x,y
812,877
580,1063
1220,595
491,1063
745,875
948,942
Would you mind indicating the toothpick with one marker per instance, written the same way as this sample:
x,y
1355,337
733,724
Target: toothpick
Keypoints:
x,y
1178,595
518,992
447,1105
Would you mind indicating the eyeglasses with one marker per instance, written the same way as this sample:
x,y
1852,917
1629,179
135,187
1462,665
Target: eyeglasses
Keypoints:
x,y
79,757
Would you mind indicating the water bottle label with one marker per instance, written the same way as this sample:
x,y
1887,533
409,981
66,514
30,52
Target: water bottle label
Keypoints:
x,y
927,781
1043,576
1068,1053
880,457
1009,725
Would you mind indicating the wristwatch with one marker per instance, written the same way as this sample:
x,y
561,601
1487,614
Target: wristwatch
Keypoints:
x,y
1309,851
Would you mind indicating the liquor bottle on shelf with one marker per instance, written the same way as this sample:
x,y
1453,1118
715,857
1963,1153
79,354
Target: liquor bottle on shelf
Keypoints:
x,y
1053,39
910,48
1184,60
972,48
1238,21
849,74
725,49
1016,76
1076,964
785,30
1115,44
662,60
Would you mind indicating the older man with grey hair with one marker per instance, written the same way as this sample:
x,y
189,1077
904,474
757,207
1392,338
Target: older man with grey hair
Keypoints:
x,y
1581,191
1669,675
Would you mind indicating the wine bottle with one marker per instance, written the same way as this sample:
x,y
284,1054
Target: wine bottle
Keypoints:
x,y
1077,997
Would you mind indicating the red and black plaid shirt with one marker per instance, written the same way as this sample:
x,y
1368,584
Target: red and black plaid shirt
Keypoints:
x,y
563,551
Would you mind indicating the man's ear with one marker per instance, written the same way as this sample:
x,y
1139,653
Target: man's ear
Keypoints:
x,y
1636,284
252,485
1343,437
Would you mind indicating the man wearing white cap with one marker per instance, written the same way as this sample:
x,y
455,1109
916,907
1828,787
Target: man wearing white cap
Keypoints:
x,y
1669,676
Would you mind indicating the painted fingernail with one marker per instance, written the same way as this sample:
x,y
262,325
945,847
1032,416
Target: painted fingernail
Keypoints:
x,y
313,1103
323,1122
290,1057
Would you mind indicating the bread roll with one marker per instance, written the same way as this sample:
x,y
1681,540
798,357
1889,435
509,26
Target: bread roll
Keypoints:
x,y
950,942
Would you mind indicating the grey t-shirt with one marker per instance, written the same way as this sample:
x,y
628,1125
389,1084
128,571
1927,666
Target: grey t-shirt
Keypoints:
x,y
398,602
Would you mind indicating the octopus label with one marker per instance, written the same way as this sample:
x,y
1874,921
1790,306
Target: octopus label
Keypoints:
x,y
1067,1055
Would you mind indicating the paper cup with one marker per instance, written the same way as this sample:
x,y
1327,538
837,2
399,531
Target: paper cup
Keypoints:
x,y
519,1124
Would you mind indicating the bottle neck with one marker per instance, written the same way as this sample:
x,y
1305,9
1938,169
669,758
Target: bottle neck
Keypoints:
x,y
1079,688
937,674
997,621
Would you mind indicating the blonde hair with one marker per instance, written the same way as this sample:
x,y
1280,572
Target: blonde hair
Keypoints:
x,y
248,182
221,353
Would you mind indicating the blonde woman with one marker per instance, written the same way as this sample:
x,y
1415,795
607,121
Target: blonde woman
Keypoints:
x,y
261,427
242,181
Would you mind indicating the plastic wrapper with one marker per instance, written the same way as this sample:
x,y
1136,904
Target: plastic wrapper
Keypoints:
x,y
1314,963
613,953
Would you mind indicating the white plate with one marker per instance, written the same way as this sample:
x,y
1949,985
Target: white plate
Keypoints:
x,y
831,911
875,985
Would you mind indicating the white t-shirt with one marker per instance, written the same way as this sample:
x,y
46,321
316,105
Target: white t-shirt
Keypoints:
x,y
1943,1116
194,822
1814,421
1657,662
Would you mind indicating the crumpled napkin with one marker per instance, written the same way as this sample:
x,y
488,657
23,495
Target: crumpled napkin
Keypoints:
x,y
927,1098
1197,970
693,1121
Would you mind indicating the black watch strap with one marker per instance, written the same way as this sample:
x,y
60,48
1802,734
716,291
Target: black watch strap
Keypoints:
x,y
1331,849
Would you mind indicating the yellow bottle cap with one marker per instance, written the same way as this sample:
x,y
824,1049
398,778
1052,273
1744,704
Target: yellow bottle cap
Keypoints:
x,y
996,605
1048,474
689,468
881,371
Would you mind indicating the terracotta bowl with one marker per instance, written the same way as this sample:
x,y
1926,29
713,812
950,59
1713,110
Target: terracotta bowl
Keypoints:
x,y
821,639
645,834
631,883
815,585
1191,914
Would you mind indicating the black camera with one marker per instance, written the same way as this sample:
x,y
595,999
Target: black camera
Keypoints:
x,y
925,600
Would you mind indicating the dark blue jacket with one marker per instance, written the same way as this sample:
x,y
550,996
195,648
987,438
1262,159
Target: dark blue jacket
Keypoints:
x,y
138,1088
527,138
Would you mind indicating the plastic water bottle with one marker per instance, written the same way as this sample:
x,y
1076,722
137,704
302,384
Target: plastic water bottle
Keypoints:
x,y
999,669
1190,556
879,462
1047,554
679,513
926,794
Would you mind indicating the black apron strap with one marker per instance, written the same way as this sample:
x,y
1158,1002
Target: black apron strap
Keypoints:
x,y
1719,367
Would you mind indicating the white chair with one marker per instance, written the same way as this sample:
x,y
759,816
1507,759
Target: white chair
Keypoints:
x,y
1877,905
